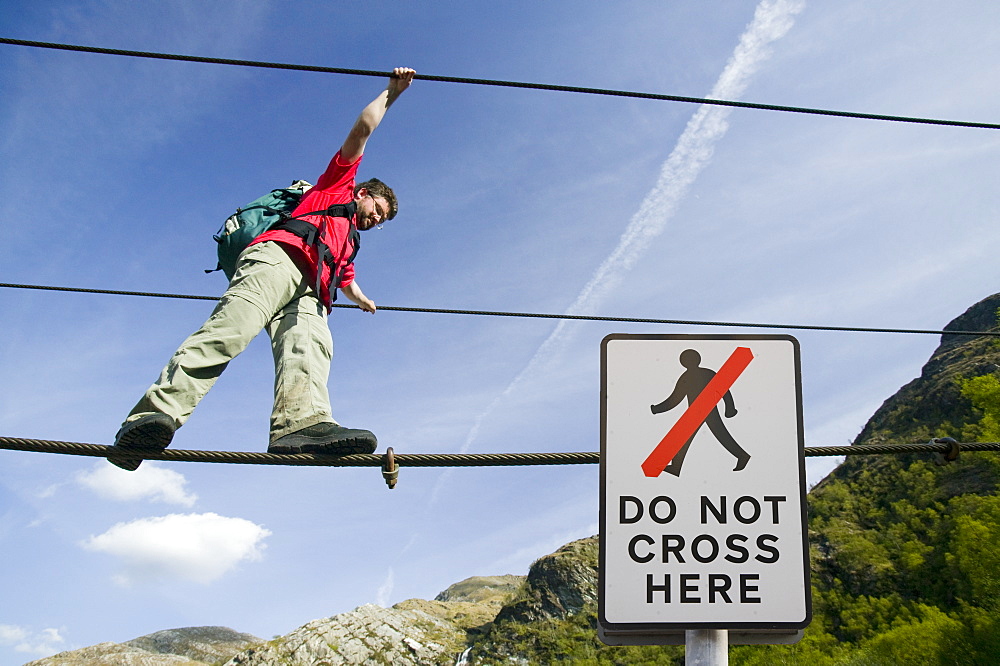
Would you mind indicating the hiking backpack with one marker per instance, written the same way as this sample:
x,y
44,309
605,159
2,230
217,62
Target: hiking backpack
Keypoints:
x,y
274,210
252,220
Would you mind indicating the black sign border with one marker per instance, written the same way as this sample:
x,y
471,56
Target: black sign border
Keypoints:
x,y
672,628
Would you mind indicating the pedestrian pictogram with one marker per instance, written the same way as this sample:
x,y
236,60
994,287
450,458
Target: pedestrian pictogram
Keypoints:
x,y
704,389
723,545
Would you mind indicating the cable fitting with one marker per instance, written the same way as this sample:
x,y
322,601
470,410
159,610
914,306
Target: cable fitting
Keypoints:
x,y
390,470
949,456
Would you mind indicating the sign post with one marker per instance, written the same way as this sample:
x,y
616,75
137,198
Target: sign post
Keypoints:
x,y
703,528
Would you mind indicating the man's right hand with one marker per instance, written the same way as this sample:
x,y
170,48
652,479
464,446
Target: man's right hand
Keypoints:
x,y
400,80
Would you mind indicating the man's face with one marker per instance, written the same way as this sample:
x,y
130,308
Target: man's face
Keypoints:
x,y
371,210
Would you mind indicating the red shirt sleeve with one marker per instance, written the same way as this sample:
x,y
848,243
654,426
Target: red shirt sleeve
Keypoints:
x,y
338,177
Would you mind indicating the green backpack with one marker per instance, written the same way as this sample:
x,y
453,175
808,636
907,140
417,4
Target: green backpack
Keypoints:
x,y
250,221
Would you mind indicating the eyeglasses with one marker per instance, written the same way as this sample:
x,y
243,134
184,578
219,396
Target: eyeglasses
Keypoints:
x,y
378,210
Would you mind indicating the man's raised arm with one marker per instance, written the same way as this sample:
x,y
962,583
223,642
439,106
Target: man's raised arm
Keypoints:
x,y
371,115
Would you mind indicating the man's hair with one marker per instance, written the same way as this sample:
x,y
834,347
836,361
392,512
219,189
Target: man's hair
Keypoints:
x,y
379,189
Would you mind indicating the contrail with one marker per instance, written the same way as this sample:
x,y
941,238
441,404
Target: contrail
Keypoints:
x,y
772,20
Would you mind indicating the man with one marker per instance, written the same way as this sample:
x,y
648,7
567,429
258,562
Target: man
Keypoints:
x,y
285,283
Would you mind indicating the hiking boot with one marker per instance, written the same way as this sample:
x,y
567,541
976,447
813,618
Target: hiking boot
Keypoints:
x,y
325,438
153,431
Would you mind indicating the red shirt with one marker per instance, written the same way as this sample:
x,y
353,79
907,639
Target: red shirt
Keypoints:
x,y
335,186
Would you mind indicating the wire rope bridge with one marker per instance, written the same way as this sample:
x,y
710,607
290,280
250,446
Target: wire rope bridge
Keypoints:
x,y
947,450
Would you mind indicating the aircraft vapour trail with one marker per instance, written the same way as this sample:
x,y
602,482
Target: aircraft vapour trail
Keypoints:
x,y
692,153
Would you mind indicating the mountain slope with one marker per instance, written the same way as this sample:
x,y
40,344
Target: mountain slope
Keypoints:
x,y
192,646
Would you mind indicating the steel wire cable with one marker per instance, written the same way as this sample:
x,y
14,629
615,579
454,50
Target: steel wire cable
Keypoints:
x,y
435,459
540,315
500,83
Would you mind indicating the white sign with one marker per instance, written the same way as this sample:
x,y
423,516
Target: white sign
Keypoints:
x,y
702,485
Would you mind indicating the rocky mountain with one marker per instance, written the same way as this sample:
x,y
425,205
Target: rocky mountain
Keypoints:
x,y
411,632
905,559
195,646
932,405
415,631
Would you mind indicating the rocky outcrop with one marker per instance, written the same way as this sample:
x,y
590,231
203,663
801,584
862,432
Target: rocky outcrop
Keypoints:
x,y
933,400
558,585
208,644
490,590
414,631
366,635
932,405
191,646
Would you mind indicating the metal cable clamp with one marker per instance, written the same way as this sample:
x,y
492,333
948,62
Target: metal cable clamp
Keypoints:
x,y
390,470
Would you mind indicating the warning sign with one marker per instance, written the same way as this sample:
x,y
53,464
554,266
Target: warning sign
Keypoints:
x,y
702,486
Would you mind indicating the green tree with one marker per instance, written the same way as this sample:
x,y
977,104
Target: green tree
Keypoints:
x,y
984,393
923,642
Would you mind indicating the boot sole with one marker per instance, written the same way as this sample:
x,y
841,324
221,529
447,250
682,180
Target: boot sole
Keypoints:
x,y
153,434
292,444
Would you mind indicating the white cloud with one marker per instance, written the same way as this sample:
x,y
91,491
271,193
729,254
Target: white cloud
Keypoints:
x,y
47,641
150,481
10,635
194,547
50,491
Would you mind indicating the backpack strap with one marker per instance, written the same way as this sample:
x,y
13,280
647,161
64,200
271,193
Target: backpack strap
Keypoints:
x,y
310,233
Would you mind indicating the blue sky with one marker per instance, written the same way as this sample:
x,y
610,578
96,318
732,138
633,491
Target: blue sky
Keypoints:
x,y
116,172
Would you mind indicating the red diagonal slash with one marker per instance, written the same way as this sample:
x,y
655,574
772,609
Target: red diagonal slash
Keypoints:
x,y
697,412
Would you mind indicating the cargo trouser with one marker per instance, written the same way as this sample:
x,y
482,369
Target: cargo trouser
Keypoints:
x,y
268,292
